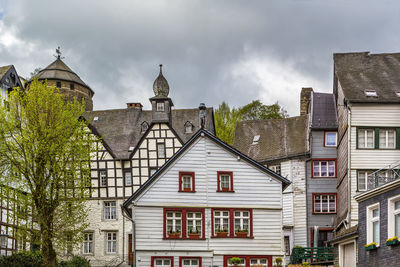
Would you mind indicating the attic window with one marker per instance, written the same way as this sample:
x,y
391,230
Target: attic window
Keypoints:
x,y
95,118
398,94
256,139
189,127
131,148
371,93
144,126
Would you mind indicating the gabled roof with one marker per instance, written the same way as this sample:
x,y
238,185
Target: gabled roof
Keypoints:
x,y
121,128
279,138
358,72
205,133
58,70
4,70
9,77
323,111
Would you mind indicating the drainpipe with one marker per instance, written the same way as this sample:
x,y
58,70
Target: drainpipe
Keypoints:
x,y
349,164
316,233
126,215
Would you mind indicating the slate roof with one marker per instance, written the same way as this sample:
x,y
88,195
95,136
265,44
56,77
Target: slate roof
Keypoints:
x,y
121,128
323,111
358,72
4,70
58,70
279,138
211,136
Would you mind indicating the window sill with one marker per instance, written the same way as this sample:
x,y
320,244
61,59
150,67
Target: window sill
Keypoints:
x,y
247,237
323,213
184,191
324,177
183,238
226,191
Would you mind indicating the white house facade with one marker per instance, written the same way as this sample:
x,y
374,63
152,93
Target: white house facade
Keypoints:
x,y
208,204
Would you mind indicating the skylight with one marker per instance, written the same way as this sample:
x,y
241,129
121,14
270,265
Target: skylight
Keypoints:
x,y
256,139
131,148
370,93
95,118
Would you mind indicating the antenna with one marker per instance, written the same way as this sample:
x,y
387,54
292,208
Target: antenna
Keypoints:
x,y
58,52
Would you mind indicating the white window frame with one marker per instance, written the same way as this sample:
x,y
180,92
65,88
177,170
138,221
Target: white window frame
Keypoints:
x,y
87,243
365,174
370,221
161,152
163,262
392,212
258,261
111,241
160,106
366,138
318,163
128,178
276,168
103,178
241,219
190,262
221,218
187,177
191,222
174,220
110,210
386,132
326,139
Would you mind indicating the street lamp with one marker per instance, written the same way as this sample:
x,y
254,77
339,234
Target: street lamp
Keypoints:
x,y
3,239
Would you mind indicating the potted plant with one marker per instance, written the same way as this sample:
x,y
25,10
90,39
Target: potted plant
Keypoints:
x,y
194,234
241,233
235,261
278,262
370,246
174,234
222,232
392,241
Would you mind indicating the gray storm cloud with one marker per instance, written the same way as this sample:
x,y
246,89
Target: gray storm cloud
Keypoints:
x,y
213,51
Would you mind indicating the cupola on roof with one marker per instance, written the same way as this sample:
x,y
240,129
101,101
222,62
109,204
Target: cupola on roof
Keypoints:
x,y
160,86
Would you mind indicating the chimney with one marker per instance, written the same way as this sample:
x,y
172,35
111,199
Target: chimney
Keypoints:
x,y
202,114
305,99
134,105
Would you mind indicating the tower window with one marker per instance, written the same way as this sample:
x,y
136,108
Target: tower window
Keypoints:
x,y
58,84
189,127
160,107
71,86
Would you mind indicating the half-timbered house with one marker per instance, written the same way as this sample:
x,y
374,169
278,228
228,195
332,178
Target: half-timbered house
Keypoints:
x,y
209,203
135,144
8,80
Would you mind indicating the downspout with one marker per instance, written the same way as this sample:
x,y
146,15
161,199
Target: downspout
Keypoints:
x,y
126,215
349,164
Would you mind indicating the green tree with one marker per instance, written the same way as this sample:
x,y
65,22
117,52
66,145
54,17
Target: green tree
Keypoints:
x,y
45,151
226,118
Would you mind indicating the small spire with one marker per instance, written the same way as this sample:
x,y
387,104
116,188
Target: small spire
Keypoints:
x,y
160,68
58,52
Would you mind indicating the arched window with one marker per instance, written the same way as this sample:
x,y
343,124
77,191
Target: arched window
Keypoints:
x,y
189,127
144,126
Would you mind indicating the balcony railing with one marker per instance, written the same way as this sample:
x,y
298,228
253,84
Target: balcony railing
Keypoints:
x,y
383,176
316,255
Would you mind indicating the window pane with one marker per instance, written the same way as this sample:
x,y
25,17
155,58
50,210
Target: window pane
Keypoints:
x,y
375,213
330,139
323,168
375,229
331,168
316,169
361,181
370,138
397,225
361,138
397,205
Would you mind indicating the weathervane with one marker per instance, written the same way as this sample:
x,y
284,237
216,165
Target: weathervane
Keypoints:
x,y
58,52
160,68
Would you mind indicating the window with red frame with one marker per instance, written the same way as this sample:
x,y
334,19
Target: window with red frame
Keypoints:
x,y
190,262
225,181
184,223
324,168
228,223
324,203
249,261
186,182
162,261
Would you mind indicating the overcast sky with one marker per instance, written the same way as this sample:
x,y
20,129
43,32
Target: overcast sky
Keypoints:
x,y
212,50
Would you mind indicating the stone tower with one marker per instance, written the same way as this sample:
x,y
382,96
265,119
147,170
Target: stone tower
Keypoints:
x,y
59,75
160,103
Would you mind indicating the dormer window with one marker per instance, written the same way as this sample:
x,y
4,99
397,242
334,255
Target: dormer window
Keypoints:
x,y
160,107
144,126
371,93
256,139
189,127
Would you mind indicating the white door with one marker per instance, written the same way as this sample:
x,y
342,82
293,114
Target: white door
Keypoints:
x,y
349,255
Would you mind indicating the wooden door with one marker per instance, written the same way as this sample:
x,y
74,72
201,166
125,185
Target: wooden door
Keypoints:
x,y
130,249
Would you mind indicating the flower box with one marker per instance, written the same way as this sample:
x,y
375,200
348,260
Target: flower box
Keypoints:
x,y
174,235
194,236
392,242
222,234
241,234
370,247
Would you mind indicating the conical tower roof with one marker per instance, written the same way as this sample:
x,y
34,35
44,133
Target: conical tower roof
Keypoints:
x,y
58,70
160,85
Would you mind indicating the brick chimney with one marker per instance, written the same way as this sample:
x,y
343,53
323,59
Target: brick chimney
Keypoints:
x,y
305,99
134,105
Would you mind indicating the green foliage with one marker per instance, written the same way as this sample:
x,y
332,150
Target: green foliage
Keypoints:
x,y
75,262
226,118
22,259
45,151
235,260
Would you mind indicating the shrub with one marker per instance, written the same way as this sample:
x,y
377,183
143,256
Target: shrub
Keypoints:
x,y
76,261
235,260
23,259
